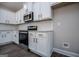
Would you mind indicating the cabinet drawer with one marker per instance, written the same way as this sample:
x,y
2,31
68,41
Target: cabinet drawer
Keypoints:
x,y
32,34
41,35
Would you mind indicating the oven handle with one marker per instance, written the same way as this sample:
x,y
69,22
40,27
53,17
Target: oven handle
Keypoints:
x,y
23,32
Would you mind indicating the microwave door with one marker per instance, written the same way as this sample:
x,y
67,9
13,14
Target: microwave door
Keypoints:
x,y
26,18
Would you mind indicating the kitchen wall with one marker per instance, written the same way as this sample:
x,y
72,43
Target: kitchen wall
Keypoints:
x,y
42,25
8,27
66,28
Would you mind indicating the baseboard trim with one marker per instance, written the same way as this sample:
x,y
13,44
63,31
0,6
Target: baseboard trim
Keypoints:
x,y
6,43
67,53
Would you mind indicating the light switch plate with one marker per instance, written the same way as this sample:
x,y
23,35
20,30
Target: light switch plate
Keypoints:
x,y
59,24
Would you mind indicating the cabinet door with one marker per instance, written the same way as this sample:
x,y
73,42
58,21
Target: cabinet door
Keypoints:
x,y
42,11
42,43
20,15
30,6
3,37
3,40
17,17
32,42
6,16
8,36
15,35
36,11
0,37
25,7
45,10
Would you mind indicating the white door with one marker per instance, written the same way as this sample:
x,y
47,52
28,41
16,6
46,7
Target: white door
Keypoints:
x,y
32,41
42,43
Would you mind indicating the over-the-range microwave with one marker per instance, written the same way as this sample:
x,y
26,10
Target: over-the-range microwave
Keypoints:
x,y
28,17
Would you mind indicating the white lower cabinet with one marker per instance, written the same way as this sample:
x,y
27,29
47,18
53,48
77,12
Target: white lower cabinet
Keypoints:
x,y
16,36
1,37
9,36
32,40
41,43
19,16
5,36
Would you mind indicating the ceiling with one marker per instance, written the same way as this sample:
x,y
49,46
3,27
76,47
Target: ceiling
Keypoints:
x,y
14,6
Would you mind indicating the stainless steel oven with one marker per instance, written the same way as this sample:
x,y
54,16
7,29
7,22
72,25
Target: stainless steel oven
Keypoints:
x,y
28,17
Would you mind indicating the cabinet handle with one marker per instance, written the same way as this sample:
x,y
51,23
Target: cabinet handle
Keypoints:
x,y
33,39
26,10
5,35
20,20
15,35
36,40
2,36
41,15
38,16
8,21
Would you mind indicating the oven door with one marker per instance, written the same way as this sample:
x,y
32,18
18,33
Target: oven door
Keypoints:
x,y
23,38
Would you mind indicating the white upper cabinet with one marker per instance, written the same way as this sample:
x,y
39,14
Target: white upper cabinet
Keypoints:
x,y
36,10
7,16
45,10
28,7
19,16
42,11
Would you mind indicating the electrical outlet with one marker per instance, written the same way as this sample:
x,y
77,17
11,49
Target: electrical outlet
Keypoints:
x,y
66,45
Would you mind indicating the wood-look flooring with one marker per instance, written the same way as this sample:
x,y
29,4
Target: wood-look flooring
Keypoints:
x,y
14,50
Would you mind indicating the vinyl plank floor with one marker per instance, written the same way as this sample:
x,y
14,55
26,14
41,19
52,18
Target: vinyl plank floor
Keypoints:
x,y
14,50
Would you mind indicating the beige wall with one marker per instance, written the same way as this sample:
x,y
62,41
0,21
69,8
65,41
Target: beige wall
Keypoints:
x,y
66,27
